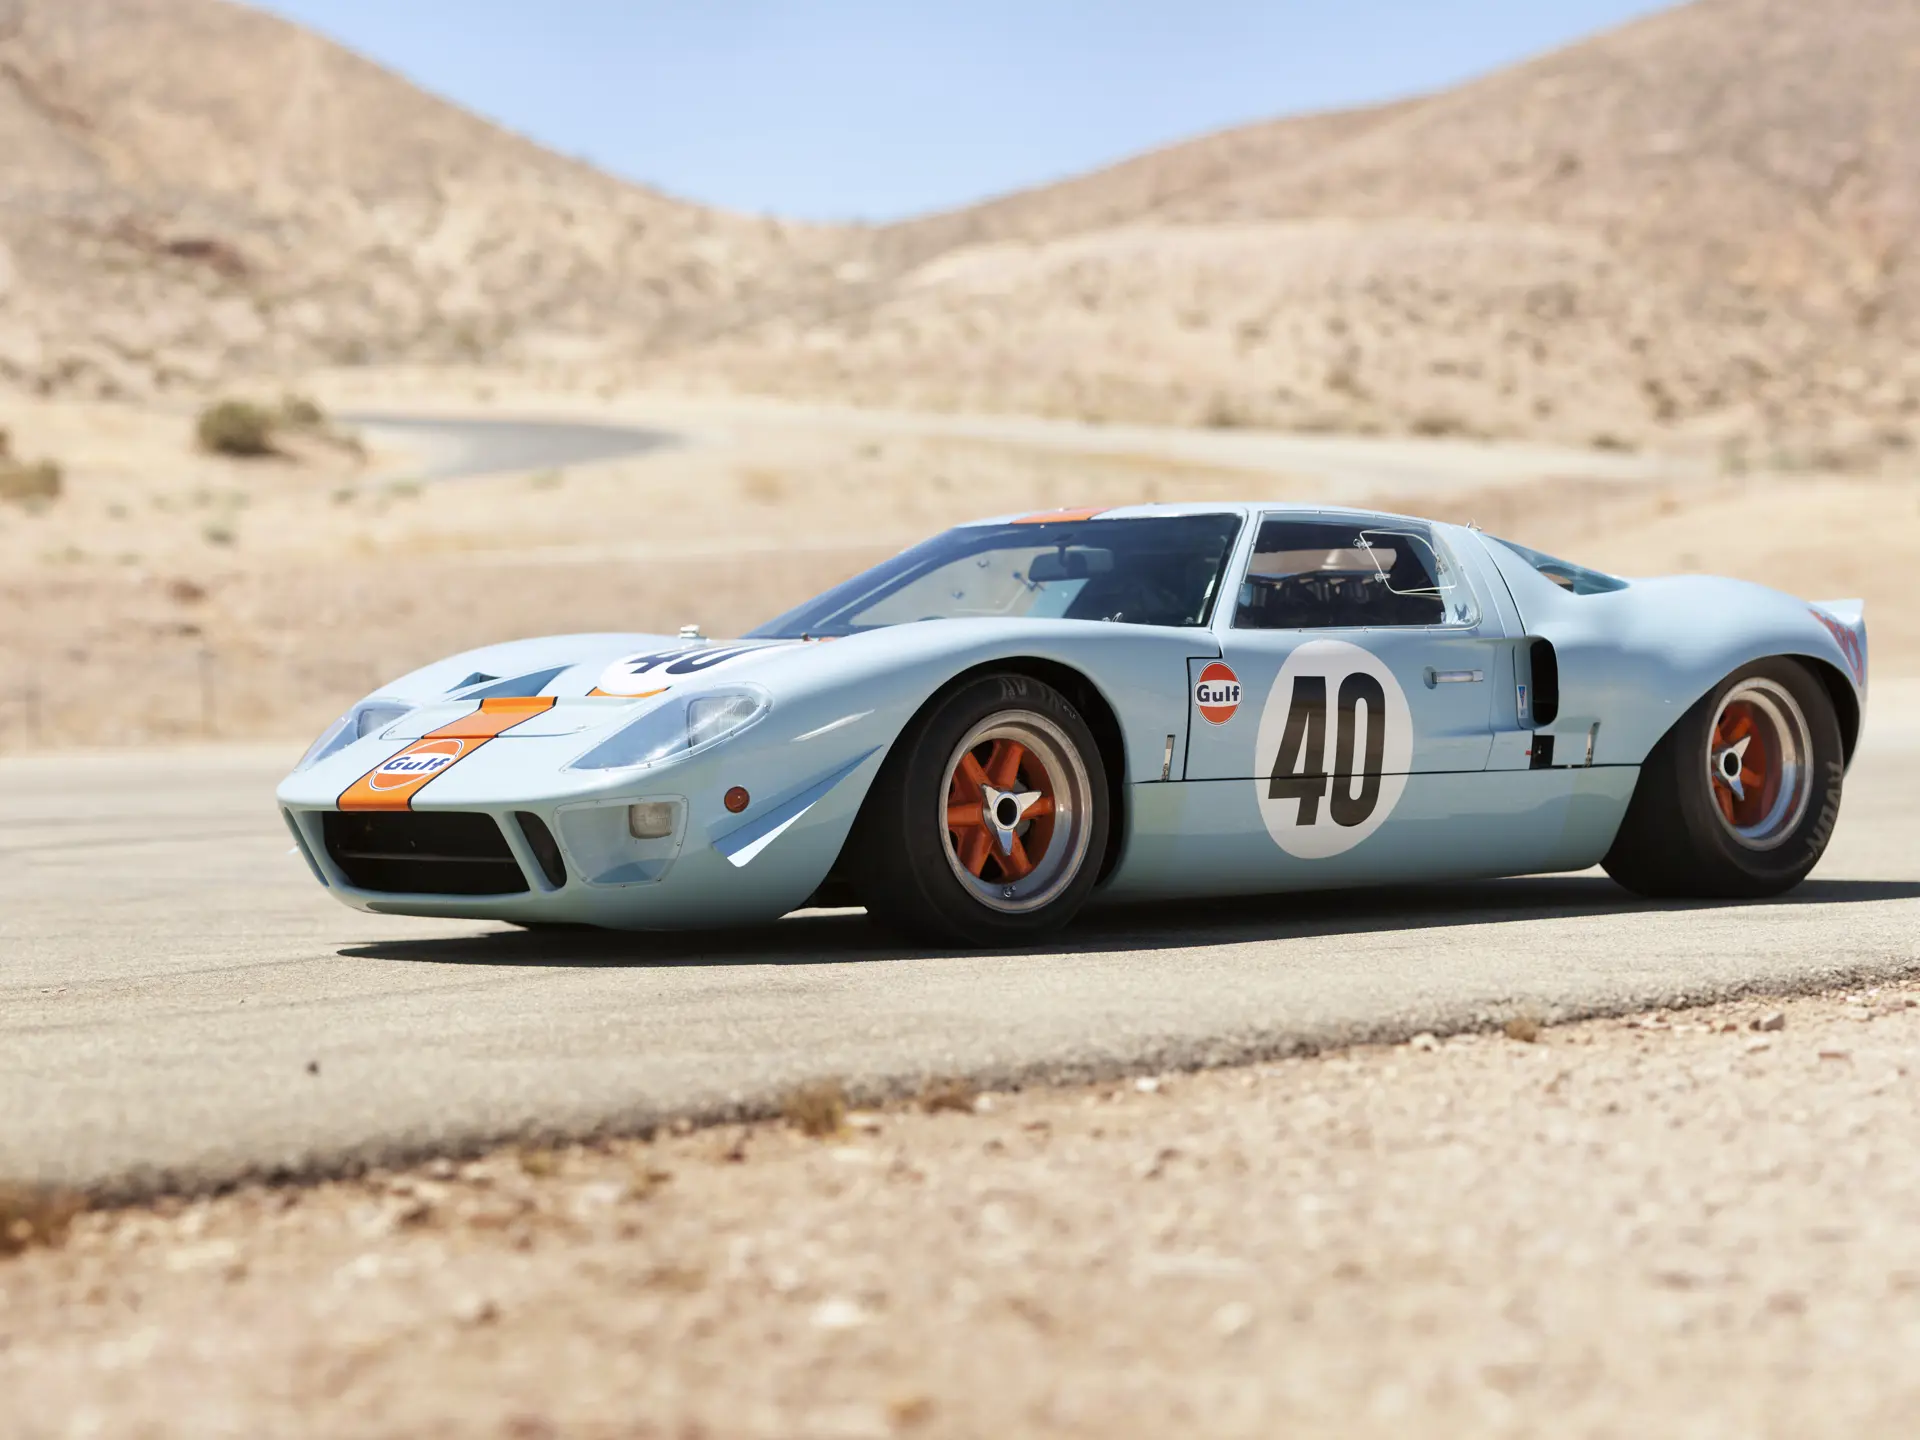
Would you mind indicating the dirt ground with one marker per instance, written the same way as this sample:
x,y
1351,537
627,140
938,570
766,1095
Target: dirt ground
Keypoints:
x,y
168,595
1689,1224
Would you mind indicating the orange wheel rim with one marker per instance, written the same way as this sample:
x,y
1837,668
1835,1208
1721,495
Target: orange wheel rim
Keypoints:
x,y
1760,763
1015,806
1002,767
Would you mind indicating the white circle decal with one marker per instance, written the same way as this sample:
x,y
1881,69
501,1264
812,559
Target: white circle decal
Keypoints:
x,y
1335,744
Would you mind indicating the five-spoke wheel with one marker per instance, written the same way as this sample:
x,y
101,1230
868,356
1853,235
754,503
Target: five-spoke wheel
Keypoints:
x,y
988,821
1739,798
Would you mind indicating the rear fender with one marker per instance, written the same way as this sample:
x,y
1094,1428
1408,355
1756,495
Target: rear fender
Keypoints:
x,y
1633,661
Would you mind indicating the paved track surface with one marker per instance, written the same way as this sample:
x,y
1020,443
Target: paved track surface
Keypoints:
x,y
465,448
179,1003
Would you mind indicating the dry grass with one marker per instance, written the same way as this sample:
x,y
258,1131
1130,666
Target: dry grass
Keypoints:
x,y
1524,1028
817,1109
35,1215
948,1094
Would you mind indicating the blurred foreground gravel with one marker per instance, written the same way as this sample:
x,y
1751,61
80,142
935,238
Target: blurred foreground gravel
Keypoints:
x,y
1697,1224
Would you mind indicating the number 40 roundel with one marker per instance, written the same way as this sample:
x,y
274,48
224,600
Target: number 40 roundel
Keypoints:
x,y
1335,744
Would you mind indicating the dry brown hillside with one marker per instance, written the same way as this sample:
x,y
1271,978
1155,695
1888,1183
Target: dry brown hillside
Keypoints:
x,y
1701,226
190,189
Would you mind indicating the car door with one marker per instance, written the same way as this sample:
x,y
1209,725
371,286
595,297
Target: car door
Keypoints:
x,y
1340,736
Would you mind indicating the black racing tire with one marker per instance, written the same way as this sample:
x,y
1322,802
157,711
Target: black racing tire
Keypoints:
x,y
926,878
1686,835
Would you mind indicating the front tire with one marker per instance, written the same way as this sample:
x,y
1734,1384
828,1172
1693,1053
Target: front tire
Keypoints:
x,y
1739,798
988,823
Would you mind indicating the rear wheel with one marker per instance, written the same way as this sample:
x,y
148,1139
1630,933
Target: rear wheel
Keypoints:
x,y
988,823
1739,799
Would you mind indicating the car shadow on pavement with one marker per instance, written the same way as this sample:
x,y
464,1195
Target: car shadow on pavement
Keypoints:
x,y
835,937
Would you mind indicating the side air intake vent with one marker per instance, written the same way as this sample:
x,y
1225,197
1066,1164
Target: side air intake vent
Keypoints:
x,y
1546,683
545,848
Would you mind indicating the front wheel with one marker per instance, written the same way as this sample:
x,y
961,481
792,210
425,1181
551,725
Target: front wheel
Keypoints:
x,y
988,823
1739,799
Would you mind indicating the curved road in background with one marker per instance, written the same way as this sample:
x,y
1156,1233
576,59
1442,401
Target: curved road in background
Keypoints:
x,y
460,449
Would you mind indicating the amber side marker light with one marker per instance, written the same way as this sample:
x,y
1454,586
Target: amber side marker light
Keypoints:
x,y
738,799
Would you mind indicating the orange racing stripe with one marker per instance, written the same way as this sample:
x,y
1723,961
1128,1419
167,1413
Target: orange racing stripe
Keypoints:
x,y
392,784
1048,517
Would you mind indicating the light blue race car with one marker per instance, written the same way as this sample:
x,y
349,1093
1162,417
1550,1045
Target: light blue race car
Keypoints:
x,y
978,737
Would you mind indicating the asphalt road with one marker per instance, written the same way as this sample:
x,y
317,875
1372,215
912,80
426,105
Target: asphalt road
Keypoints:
x,y
179,1003
456,448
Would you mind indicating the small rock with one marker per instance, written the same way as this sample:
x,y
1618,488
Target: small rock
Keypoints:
x,y
476,1310
1425,1040
1772,1020
1231,1319
838,1313
1147,1085
865,1121
1836,1054
1754,1047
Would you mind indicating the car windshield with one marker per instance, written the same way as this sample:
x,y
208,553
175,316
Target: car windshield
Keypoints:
x,y
1151,570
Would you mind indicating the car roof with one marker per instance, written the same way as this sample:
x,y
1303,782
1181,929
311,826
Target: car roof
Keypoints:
x,y
1167,510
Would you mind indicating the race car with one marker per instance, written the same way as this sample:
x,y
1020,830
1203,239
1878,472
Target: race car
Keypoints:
x,y
980,736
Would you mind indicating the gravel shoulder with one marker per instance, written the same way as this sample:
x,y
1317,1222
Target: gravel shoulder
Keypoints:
x,y
1699,1222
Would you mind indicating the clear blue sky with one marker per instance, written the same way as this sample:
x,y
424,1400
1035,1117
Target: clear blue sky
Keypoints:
x,y
875,109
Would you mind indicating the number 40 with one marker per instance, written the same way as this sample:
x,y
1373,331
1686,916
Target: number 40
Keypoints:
x,y
1300,769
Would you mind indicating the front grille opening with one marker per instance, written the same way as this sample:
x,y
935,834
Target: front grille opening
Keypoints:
x,y
406,853
545,848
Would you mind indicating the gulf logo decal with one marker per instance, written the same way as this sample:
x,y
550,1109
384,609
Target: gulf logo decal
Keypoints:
x,y
392,784
1216,694
417,764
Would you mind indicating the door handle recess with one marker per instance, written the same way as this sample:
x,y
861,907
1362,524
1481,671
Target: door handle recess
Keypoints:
x,y
1454,677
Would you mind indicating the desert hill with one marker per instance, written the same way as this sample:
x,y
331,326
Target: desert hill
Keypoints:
x,y
1700,226
190,189
1697,230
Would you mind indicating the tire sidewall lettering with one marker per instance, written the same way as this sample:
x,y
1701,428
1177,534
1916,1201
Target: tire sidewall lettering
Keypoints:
x,y
1373,743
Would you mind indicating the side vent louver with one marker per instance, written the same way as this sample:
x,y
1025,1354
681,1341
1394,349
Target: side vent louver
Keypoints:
x,y
1546,683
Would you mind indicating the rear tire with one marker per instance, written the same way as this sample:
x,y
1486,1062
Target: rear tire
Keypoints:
x,y
988,823
1739,798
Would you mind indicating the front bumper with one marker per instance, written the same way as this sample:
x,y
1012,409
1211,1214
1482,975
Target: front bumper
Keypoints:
x,y
512,835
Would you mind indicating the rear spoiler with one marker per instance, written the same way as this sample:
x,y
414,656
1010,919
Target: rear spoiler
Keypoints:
x,y
1847,621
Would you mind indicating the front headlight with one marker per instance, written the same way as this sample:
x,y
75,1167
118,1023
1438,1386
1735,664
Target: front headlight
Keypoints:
x,y
678,729
358,723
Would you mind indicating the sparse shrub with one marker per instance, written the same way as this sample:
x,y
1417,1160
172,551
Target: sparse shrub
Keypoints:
x,y
33,1215
819,1109
1608,441
1440,425
236,428
1223,413
1524,1028
217,534
948,1094
36,484
297,412
548,480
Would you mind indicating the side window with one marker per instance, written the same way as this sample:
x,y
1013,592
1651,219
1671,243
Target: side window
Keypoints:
x,y
1330,574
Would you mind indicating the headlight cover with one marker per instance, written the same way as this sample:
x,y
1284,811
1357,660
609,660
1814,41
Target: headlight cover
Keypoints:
x,y
358,723
679,728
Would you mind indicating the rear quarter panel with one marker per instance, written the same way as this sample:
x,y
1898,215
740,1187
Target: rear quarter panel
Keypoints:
x,y
1634,661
